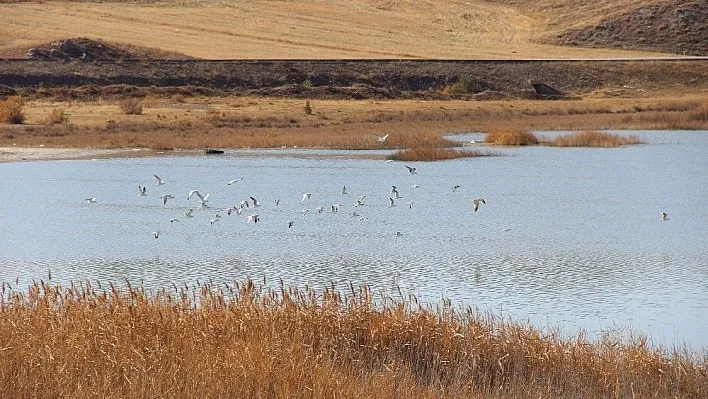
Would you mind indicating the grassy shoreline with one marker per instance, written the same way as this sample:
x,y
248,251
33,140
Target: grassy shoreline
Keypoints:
x,y
246,340
175,123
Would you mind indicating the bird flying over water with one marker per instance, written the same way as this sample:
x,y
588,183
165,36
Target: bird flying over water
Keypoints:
x,y
455,187
255,218
476,202
235,181
256,204
143,190
344,190
166,197
664,216
411,170
156,234
91,200
306,196
188,214
159,181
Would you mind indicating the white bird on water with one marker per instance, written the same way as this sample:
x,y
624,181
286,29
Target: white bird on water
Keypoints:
x,y
159,181
235,181
156,234
382,139
91,200
476,202
411,170
664,216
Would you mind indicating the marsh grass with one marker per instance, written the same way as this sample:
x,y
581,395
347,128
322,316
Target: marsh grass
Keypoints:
x,y
510,137
436,154
591,138
12,110
247,340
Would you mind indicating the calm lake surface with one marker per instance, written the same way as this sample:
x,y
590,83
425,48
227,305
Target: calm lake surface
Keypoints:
x,y
568,238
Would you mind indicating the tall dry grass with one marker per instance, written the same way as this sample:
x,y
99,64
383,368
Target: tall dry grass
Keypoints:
x,y
510,137
244,340
592,138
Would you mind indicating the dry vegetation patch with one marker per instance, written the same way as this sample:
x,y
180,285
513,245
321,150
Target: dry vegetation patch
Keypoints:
x,y
511,137
12,110
437,154
245,340
592,138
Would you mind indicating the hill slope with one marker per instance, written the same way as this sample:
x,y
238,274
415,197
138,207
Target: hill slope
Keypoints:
x,y
214,29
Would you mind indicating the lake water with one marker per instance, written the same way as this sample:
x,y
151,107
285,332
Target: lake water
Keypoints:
x,y
568,238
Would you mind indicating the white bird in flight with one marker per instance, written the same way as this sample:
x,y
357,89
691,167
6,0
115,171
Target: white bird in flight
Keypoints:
x,y
159,181
664,216
476,202
202,198
344,190
256,204
255,218
455,187
411,170
235,181
306,196
156,234
360,200
166,197
143,190
188,214
382,139
91,200
391,202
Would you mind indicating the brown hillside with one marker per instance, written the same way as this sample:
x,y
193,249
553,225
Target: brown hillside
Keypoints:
x,y
679,26
90,49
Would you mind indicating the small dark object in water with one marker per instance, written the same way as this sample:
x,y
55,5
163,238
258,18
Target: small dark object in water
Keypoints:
x,y
211,151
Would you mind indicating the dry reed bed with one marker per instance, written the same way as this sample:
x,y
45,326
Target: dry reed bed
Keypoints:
x,y
592,138
437,154
250,341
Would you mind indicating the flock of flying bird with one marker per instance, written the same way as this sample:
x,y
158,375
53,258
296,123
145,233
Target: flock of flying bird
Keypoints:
x,y
251,205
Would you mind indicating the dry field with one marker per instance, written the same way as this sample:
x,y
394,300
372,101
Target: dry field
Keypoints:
x,y
263,29
242,340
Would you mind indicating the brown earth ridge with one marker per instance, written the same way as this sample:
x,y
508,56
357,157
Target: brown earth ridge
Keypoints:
x,y
110,71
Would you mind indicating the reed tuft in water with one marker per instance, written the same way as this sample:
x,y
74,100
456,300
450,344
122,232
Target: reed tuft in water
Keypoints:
x,y
247,340
592,138
510,137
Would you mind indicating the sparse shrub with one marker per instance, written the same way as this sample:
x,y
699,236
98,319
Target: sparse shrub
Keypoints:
x,y
594,139
511,137
12,110
464,85
308,108
307,83
56,117
132,106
